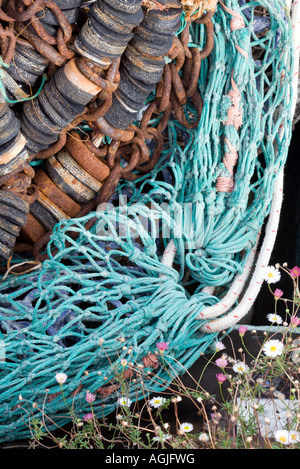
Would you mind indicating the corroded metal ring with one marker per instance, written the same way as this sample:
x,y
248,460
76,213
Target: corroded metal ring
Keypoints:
x,y
68,183
32,229
93,164
73,85
55,194
45,49
113,132
81,91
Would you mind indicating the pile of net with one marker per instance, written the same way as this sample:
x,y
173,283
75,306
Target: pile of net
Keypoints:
x,y
167,246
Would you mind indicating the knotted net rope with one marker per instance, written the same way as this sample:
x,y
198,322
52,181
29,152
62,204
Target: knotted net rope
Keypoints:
x,y
166,248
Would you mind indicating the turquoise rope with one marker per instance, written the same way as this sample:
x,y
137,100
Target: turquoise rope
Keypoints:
x,y
2,87
110,283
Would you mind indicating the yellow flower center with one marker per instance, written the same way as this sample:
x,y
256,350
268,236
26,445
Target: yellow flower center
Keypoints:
x,y
273,348
283,439
270,274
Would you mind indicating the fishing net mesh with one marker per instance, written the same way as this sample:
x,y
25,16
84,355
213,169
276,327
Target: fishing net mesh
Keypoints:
x,y
107,293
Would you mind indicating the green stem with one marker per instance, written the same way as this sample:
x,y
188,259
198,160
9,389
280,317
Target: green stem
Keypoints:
x,y
221,392
242,340
62,392
208,362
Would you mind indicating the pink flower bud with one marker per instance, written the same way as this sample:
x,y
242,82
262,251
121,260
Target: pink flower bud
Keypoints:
x,y
278,293
220,377
89,397
242,330
162,346
295,321
295,271
221,362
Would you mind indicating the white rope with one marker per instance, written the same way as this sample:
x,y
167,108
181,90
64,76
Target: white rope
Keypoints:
x,y
295,13
272,227
233,293
168,256
256,281
263,258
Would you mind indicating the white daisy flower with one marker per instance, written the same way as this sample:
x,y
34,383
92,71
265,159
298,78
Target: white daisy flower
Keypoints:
x,y
274,318
156,402
273,348
219,346
124,401
282,436
240,367
203,437
61,378
294,437
186,427
271,274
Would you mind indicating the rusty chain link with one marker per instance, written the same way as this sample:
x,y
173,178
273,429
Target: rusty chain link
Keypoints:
x,y
177,87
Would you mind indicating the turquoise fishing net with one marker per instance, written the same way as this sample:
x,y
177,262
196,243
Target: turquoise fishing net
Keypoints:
x,y
106,295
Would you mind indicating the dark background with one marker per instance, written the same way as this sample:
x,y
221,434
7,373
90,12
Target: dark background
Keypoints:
x,y
287,245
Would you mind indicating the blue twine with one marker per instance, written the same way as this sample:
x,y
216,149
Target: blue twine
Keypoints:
x,y
2,87
110,284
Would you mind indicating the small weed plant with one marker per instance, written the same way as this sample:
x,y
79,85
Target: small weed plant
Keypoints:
x,y
256,405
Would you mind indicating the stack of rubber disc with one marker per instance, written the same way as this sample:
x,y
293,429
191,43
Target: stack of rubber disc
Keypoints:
x,y
12,142
13,215
69,179
70,9
27,65
143,62
60,101
108,30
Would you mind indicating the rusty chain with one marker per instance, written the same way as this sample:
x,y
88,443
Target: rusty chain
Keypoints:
x,y
177,86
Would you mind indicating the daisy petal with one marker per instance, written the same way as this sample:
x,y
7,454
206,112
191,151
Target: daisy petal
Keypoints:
x,y
271,274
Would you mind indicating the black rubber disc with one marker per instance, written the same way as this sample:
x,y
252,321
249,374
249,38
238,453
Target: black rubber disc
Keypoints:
x,y
42,216
13,215
70,91
14,201
128,6
63,106
118,116
9,127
